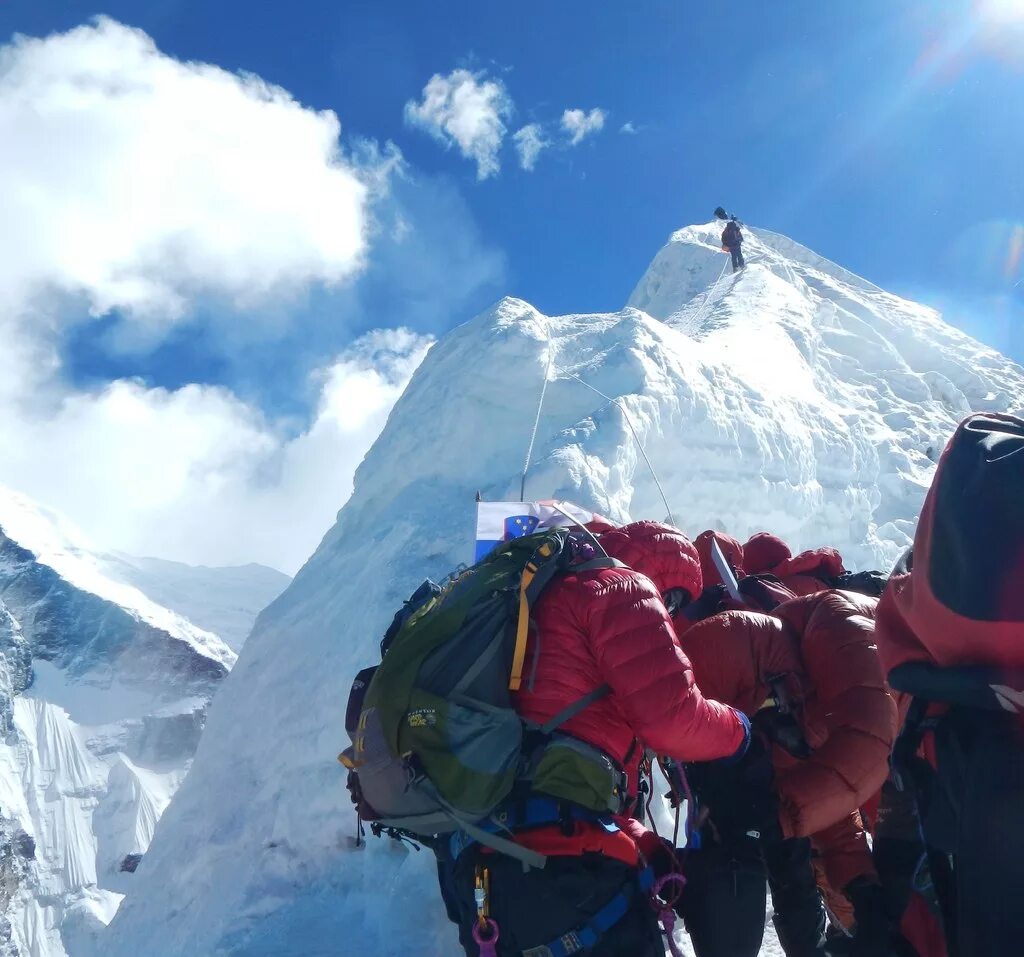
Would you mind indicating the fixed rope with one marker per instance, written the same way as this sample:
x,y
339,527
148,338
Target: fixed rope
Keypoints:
x,y
708,299
536,421
636,438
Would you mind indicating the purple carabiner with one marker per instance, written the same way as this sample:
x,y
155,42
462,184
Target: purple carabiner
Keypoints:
x,y
488,944
665,912
674,878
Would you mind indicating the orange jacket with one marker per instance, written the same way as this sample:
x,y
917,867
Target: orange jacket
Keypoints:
x,y
824,644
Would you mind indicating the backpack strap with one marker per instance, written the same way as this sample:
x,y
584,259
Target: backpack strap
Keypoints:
x,y
570,711
586,936
543,578
535,578
537,575
501,844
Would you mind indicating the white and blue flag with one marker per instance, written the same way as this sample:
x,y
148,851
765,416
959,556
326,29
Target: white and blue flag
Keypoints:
x,y
498,522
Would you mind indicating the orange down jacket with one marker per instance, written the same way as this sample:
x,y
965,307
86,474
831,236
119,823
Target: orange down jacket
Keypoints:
x,y
824,645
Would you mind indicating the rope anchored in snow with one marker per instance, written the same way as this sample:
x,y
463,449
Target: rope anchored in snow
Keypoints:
x,y
615,401
536,421
709,297
636,438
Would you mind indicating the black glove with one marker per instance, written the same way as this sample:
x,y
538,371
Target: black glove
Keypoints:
x,y
783,730
709,603
871,936
664,859
740,796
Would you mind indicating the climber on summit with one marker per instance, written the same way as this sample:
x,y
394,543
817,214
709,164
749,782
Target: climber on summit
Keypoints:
x,y
732,242
608,627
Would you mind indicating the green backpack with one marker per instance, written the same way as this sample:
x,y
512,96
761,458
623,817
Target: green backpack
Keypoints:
x,y
436,744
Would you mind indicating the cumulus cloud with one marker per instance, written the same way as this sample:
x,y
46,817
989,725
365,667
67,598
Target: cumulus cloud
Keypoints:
x,y
158,199
138,181
530,142
197,475
628,128
467,110
579,123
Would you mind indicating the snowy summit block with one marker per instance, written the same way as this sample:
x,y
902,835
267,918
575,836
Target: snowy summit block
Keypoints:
x,y
793,397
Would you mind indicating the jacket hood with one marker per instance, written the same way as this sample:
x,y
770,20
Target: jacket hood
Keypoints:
x,y
731,549
817,562
763,552
662,553
959,600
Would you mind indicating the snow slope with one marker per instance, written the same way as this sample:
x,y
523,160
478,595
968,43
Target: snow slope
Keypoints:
x,y
103,696
794,397
225,601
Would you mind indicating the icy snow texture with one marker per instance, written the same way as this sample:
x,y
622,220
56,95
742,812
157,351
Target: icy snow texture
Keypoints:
x,y
793,397
103,696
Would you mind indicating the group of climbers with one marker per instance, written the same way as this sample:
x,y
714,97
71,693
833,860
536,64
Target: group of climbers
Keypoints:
x,y
798,656
773,691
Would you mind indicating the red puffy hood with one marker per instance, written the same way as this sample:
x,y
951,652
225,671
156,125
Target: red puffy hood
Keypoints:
x,y
662,553
959,598
768,554
763,552
731,549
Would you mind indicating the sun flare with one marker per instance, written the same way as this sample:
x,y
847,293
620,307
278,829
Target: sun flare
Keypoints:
x,y
1000,12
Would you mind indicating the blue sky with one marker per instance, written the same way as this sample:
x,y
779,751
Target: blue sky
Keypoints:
x,y
886,136
825,121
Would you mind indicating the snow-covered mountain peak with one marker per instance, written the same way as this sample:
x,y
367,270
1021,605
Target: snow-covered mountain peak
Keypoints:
x,y
103,696
54,542
222,600
692,261
792,397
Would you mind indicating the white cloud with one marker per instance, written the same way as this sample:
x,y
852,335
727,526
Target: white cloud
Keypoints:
x,y
579,124
467,110
530,141
199,476
138,181
133,182
628,128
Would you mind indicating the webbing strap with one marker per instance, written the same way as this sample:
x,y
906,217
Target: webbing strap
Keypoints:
x,y
533,813
596,563
515,680
502,845
586,936
570,712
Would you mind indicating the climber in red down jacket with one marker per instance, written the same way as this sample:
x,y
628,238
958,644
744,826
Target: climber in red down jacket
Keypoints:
x,y
808,572
811,679
614,627
951,637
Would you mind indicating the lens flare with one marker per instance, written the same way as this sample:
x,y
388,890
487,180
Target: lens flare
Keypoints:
x,y
1000,12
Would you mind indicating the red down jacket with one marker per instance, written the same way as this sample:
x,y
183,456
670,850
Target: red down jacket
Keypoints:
x,y
610,626
825,644
732,551
805,574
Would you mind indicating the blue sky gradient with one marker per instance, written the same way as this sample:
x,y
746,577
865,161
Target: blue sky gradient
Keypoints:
x,y
886,136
